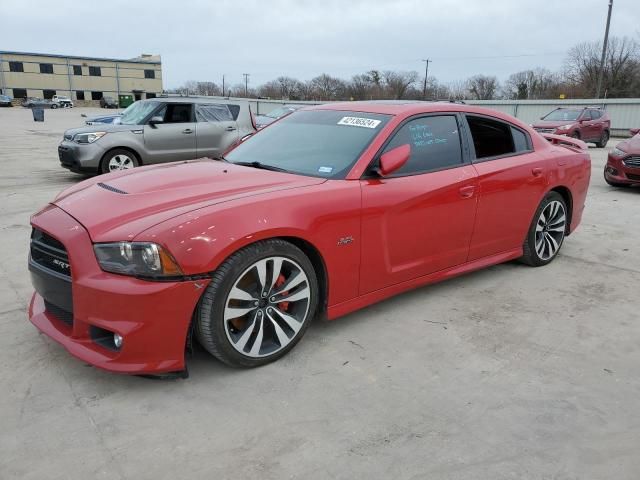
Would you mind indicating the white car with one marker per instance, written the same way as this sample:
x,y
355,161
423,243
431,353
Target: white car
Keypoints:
x,y
60,101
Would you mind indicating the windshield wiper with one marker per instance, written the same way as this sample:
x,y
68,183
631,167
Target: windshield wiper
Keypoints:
x,y
262,166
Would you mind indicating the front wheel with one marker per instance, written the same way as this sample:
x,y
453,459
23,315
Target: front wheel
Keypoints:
x,y
54,106
258,304
547,231
604,138
118,159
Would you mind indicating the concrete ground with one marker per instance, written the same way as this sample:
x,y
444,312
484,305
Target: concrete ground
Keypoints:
x,y
508,373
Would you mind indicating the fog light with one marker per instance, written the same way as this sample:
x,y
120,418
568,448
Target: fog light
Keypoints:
x,y
117,340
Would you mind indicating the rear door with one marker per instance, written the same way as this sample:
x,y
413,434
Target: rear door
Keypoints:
x,y
588,127
512,179
420,219
216,129
175,138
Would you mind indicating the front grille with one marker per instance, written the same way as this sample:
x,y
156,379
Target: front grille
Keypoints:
x,y
545,130
50,253
633,162
60,313
631,176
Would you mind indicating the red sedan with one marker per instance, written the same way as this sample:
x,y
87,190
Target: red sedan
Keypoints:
x,y
324,212
623,162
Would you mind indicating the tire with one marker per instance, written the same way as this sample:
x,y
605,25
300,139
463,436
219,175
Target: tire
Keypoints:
x,y
252,334
111,163
615,184
604,138
547,231
54,106
575,134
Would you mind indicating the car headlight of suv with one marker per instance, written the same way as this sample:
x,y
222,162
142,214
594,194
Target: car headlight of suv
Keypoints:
x,y
88,137
137,259
566,127
616,152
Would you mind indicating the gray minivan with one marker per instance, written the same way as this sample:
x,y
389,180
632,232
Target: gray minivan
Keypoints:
x,y
155,131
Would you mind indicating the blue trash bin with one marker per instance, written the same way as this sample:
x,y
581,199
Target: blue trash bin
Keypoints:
x,y
38,114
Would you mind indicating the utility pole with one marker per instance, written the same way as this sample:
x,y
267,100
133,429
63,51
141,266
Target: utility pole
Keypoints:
x,y
604,50
426,73
246,84
223,84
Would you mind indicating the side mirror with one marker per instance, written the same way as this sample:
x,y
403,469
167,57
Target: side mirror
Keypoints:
x,y
634,131
156,120
394,159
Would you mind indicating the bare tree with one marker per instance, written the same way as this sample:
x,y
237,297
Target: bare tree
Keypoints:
x,y
531,84
327,87
397,83
482,87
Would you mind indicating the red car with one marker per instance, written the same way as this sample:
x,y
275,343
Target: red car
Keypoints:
x,y
623,162
326,211
586,123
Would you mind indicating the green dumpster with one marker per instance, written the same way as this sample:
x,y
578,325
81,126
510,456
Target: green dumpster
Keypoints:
x,y
125,100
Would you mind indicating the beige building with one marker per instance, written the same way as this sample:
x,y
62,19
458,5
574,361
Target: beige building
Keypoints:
x,y
84,79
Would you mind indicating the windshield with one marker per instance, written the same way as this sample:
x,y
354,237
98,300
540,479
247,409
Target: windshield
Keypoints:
x,y
317,143
563,115
135,113
279,112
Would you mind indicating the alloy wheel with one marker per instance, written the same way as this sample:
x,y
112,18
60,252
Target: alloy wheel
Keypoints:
x,y
267,306
120,162
550,230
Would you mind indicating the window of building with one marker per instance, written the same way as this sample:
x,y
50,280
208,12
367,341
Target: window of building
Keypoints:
x,y
95,72
151,95
16,67
491,138
46,68
79,95
149,74
77,69
434,142
48,94
96,95
19,93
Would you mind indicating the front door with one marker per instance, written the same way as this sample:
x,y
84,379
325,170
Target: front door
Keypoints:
x,y
216,130
419,220
173,139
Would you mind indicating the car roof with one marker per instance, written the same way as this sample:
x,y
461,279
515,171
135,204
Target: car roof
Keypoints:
x,y
407,107
190,99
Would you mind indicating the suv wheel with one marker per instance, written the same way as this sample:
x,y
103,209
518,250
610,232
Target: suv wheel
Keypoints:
x,y
604,138
118,159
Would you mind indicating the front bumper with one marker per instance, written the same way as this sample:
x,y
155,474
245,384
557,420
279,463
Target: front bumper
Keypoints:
x,y
152,317
80,158
618,172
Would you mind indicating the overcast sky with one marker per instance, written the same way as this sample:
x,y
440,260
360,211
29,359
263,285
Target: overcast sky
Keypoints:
x,y
201,40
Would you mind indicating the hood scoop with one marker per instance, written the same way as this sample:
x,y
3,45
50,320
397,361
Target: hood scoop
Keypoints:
x,y
112,189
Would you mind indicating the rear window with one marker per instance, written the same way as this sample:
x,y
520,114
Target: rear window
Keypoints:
x,y
213,113
235,111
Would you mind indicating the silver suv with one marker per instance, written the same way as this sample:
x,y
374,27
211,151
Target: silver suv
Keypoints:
x,y
155,131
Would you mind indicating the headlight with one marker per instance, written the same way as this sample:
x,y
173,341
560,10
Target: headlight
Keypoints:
x,y
616,152
566,127
88,137
138,259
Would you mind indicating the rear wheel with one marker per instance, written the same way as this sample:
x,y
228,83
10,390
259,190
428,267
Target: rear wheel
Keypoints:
x,y
258,305
604,138
118,159
547,231
54,106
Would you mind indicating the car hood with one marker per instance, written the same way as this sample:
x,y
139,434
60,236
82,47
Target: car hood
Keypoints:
x,y
552,124
630,145
105,127
119,206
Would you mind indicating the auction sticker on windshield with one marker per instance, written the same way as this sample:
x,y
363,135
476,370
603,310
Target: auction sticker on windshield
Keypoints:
x,y
359,122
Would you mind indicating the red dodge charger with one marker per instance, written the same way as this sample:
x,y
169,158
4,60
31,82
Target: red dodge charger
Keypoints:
x,y
323,212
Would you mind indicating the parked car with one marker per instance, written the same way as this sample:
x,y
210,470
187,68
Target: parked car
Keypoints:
x,y
623,162
273,115
108,102
5,101
589,124
60,101
328,210
158,130
103,119
36,102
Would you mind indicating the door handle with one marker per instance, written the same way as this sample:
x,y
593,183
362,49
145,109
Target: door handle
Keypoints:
x,y
536,171
187,131
230,129
468,191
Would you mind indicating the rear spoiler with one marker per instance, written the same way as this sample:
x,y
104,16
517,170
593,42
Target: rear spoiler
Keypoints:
x,y
569,142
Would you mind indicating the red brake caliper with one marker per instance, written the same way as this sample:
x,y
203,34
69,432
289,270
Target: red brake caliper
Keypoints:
x,y
284,306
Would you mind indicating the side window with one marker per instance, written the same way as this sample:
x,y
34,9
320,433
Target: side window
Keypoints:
x,y
235,110
213,113
595,114
434,141
178,113
491,138
521,140
586,115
